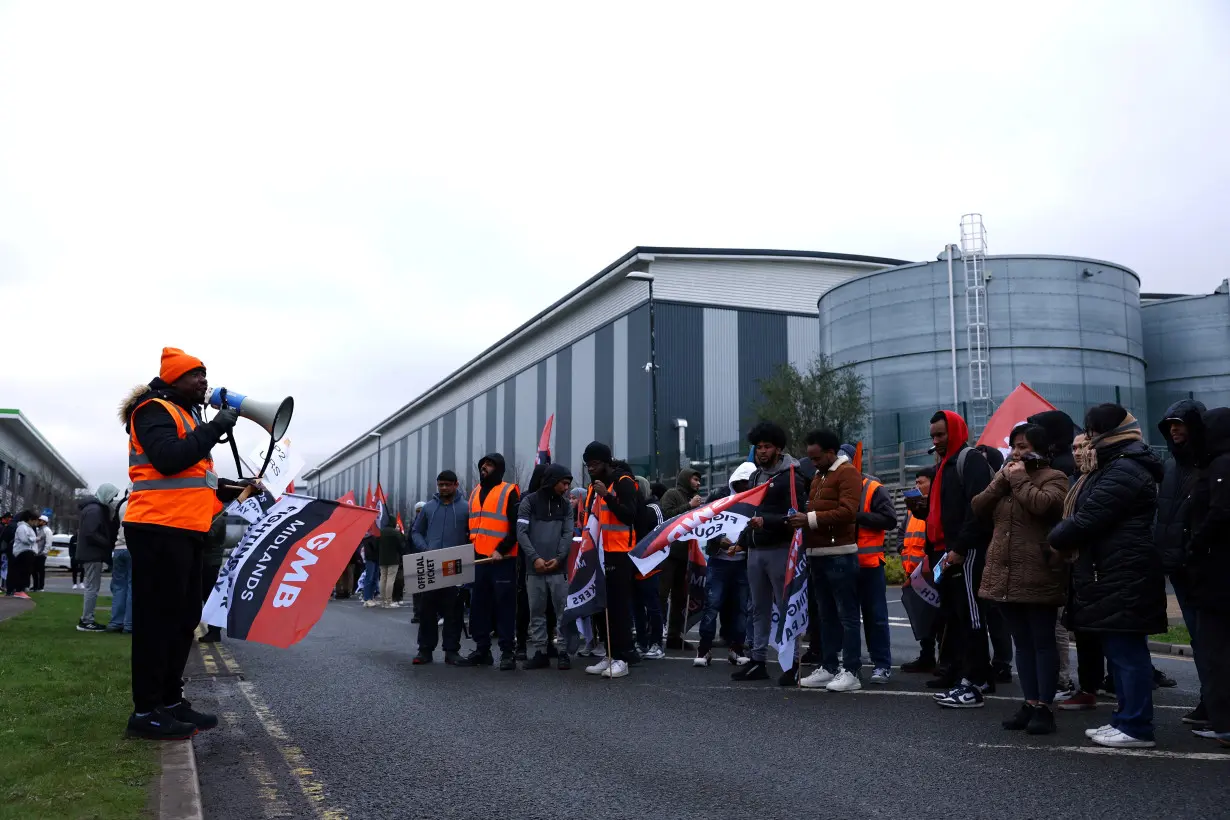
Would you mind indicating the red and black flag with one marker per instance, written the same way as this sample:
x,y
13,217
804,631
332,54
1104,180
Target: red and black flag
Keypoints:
x,y
786,627
586,578
698,576
724,517
544,442
277,581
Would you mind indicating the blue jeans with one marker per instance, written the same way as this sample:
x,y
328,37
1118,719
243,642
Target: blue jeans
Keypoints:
x,y
725,580
873,601
1191,618
647,611
494,600
836,580
371,579
1132,669
121,591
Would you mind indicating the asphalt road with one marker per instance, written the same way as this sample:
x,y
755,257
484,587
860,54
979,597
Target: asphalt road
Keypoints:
x,y
342,725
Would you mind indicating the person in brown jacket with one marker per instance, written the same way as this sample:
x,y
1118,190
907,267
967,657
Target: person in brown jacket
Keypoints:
x,y
1024,576
831,539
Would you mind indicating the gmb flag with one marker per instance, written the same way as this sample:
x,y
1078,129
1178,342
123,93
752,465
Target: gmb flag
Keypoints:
x,y
726,516
786,626
276,582
586,577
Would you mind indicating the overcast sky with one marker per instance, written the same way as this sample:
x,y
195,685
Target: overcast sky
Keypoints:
x,y
346,202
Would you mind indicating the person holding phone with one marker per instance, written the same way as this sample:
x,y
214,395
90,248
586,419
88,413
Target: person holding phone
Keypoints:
x,y
1024,577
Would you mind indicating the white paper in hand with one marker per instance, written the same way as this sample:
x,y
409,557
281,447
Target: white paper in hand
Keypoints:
x,y
283,467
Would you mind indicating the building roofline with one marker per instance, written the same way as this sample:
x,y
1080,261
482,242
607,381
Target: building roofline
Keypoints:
x,y
12,413
648,252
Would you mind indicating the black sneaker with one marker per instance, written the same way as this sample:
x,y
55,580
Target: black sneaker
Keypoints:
x,y
1042,722
962,697
82,626
944,682
212,635
414,619
1107,689
159,725
632,657
184,712
1021,719
539,661
508,663
422,658
1001,673
563,663
923,664
789,678
755,670
1163,681
1198,717
452,658
522,655
811,658
478,657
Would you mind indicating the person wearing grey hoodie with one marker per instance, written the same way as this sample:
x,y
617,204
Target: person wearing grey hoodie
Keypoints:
x,y
95,540
443,522
544,533
673,580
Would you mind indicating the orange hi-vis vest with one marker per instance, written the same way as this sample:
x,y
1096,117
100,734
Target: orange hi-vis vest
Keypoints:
x,y
870,542
914,544
187,500
616,535
489,524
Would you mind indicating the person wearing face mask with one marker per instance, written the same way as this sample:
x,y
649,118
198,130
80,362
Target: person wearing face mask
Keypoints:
x,y
1118,585
1026,580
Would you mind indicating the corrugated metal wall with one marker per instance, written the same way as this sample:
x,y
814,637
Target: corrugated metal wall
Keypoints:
x,y
1187,347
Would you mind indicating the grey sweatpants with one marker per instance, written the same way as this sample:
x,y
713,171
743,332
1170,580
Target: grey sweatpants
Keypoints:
x,y
93,581
554,588
766,581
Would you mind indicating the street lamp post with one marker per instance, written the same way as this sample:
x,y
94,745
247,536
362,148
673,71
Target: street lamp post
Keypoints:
x,y
379,443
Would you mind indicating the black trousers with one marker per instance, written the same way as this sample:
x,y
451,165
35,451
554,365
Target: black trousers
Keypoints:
x,y
21,567
40,572
166,608
1215,640
619,574
966,618
523,605
1090,662
1000,634
673,584
434,605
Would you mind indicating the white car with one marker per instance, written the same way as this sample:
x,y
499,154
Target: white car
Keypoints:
x,y
57,556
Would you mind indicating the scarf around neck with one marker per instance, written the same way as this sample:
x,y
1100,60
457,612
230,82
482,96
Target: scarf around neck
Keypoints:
x,y
1085,452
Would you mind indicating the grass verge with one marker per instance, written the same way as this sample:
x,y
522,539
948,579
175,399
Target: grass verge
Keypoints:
x,y
1176,634
65,697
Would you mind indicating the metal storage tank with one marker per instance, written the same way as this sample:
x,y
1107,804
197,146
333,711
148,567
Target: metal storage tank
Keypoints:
x,y
1187,347
1068,327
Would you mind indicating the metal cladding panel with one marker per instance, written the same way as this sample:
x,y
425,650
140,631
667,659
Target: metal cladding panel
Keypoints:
x,y
540,399
440,465
448,441
563,408
492,440
478,442
525,443
433,448
510,449
604,384
550,390
802,341
639,390
619,392
501,408
721,377
762,348
680,331
789,286
1070,328
1187,347
418,446
461,441
582,398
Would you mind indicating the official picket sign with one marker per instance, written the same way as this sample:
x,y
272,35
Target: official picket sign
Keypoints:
x,y
437,569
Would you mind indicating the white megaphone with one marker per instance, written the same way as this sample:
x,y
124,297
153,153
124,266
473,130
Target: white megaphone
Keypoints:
x,y
273,416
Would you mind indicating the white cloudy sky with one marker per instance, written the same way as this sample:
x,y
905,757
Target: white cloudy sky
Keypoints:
x,y
346,201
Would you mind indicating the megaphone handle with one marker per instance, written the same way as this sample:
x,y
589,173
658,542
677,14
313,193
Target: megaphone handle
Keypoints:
x,y
235,452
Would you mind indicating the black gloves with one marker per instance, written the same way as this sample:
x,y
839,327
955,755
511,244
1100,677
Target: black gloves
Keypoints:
x,y
225,418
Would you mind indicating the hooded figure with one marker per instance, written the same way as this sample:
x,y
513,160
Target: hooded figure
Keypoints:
x,y
1171,529
1210,519
1060,432
673,579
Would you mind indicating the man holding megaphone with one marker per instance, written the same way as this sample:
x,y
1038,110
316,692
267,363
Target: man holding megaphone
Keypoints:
x,y
175,496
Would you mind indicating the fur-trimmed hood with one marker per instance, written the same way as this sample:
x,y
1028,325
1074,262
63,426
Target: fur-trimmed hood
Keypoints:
x,y
156,389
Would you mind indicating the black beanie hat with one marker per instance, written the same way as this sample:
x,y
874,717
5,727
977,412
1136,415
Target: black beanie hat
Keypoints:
x,y
597,451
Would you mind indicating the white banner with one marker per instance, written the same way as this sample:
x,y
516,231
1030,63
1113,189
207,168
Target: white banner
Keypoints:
x,y
437,569
284,466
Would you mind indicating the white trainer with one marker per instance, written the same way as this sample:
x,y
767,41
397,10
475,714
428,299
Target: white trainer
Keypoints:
x,y
736,659
845,682
617,669
370,604
702,660
818,679
881,676
1116,739
1101,730
654,653
599,668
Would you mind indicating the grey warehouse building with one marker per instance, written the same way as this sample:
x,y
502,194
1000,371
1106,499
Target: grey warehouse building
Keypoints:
x,y
33,474
714,322
721,319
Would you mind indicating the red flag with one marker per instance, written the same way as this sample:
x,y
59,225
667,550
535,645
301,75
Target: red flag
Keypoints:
x,y
858,463
400,526
725,516
290,488
348,498
370,500
544,442
1019,406
378,502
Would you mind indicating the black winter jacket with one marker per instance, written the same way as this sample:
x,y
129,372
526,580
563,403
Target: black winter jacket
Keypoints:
x,y
95,536
1210,516
776,505
964,531
1061,431
1117,580
1172,528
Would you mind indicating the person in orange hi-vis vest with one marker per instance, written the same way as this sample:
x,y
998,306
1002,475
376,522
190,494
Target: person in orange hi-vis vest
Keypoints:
x,y
876,516
174,499
493,532
913,551
613,497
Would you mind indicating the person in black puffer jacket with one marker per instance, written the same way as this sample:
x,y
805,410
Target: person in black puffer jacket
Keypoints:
x,y
1209,555
1118,587
1060,431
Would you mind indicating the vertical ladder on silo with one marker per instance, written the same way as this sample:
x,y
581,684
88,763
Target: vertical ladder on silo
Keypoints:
x,y
973,257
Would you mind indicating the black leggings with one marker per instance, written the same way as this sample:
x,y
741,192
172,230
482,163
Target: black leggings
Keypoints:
x,y
78,571
1037,657
1090,662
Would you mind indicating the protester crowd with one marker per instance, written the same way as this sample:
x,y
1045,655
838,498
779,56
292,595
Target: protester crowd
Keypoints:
x,y
1074,533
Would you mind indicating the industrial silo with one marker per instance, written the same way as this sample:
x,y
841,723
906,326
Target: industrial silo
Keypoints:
x,y
1187,348
1070,328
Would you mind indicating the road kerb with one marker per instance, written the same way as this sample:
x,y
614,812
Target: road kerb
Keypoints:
x,y
1170,648
179,790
